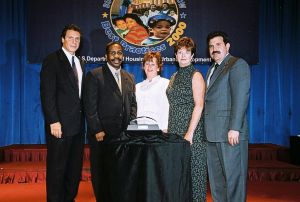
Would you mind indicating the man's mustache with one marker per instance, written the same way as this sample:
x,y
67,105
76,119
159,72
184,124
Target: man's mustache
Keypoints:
x,y
216,52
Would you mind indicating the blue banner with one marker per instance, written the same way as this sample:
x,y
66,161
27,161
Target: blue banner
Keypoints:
x,y
142,26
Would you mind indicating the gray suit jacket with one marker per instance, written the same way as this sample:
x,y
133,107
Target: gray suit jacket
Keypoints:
x,y
226,101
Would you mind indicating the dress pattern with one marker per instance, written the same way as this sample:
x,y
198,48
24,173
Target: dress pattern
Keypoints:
x,y
180,96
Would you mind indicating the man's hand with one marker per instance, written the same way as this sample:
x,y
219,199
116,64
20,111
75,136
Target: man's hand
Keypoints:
x,y
99,136
233,137
56,129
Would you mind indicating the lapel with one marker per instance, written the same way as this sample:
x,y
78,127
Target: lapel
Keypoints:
x,y
219,71
111,81
82,65
68,69
208,72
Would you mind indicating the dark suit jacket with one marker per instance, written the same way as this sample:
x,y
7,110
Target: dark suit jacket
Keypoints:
x,y
226,101
106,108
59,94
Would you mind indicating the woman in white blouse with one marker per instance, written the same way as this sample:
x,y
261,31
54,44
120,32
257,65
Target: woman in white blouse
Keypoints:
x,y
151,95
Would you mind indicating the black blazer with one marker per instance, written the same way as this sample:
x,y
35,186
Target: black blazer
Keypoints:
x,y
59,94
106,108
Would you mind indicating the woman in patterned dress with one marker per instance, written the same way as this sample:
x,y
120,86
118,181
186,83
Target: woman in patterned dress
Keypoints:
x,y
185,93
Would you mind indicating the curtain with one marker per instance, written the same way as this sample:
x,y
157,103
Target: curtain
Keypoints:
x,y
273,112
274,100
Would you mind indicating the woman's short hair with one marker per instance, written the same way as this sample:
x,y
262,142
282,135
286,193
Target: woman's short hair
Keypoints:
x,y
185,42
149,57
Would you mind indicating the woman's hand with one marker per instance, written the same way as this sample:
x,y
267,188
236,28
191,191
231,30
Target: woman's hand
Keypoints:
x,y
189,137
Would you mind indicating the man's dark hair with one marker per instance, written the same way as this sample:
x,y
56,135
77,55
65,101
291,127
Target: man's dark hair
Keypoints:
x,y
218,33
111,44
115,20
70,27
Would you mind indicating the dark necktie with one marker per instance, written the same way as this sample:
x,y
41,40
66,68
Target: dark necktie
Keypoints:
x,y
75,70
215,69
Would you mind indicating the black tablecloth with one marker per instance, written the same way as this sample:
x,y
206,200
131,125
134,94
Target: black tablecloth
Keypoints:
x,y
148,168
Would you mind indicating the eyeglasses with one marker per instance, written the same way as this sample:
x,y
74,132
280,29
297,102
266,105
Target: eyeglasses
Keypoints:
x,y
114,53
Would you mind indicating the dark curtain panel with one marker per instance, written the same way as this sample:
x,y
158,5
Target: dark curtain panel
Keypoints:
x,y
274,109
274,103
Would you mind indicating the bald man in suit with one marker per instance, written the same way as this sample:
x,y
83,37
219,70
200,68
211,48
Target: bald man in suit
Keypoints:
x,y
226,101
110,104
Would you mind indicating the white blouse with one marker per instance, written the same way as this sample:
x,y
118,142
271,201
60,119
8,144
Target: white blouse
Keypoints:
x,y
152,100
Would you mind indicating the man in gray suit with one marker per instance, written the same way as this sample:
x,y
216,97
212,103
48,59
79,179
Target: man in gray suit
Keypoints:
x,y
226,101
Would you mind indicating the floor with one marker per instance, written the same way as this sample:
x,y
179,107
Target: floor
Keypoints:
x,y
257,192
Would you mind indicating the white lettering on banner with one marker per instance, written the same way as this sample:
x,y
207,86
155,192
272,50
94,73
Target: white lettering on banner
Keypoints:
x,y
142,50
93,59
107,4
201,60
106,26
130,59
167,59
181,3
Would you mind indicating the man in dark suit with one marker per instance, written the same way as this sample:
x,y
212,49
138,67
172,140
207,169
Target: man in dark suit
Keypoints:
x,y
226,101
110,104
61,81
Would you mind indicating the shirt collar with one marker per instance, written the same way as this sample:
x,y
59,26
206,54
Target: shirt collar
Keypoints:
x,y
154,79
68,54
113,70
222,60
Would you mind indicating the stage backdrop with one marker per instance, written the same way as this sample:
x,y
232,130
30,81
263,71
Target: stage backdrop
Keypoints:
x,y
100,23
274,110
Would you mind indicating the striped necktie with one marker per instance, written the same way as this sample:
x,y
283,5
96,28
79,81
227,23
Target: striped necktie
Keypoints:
x,y
118,80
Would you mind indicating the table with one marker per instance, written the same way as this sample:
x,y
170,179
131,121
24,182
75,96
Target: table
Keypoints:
x,y
295,149
148,168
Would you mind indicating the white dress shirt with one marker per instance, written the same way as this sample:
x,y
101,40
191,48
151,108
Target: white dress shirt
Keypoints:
x,y
114,71
152,100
